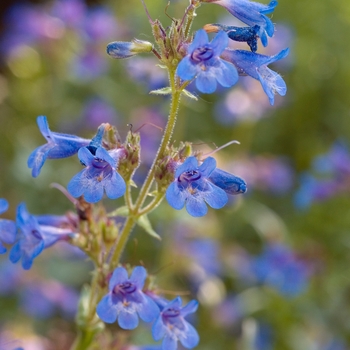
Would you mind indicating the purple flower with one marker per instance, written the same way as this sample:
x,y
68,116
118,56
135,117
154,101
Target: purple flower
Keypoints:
x,y
255,65
7,228
251,13
230,183
43,299
58,146
172,326
33,238
193,187
99,175
203,62
126,300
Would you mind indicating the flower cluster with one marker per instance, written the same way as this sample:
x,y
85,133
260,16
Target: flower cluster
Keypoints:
x,y
126,301
185,178
209,63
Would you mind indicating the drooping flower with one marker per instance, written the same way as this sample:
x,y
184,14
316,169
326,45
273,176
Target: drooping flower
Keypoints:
x,y
255,65
99,175
33,238
193,188
203,62
126,301
58,146
230,183
251,13
172,326
7,228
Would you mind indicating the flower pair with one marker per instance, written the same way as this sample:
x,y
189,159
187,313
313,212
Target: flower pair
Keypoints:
x,y
100,174
126,302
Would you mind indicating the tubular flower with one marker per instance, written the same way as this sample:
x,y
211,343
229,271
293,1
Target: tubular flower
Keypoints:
x,y
33,238
172,326
126,300
58,146
230,183
255,65
251,13
203,62
193,187
99,175
7,228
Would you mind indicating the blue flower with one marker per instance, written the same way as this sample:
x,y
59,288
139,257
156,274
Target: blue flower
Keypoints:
x,y
7,228
230,183
126,300
33,238
251,13
58,146
280,268
203,62
255,65
99,175
193,188
172,326
241,34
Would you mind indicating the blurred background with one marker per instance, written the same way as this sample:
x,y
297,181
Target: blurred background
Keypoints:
x,y
270,270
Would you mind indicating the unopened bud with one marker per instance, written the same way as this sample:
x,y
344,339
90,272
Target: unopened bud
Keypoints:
x,y
125,49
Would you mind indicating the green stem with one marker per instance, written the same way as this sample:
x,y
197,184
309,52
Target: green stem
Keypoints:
x,y
135,213
151,206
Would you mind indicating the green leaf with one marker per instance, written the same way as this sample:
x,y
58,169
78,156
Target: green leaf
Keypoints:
x,y
189,94
122,211
144,222
162,91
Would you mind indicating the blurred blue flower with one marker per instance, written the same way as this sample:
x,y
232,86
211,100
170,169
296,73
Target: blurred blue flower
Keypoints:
x,y
172,326
328,176
44,299
7,228
71,12
251,13
58,146
255,65
99,175
32,238
279,267
193,188
126,300
203,62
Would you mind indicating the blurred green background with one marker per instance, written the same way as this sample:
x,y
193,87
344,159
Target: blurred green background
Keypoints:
x,y
63,72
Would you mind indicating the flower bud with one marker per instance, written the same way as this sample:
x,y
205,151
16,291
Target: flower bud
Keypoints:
x,y
125,49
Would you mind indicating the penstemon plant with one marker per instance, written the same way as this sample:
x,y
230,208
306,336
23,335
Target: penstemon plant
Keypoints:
x,y
119,292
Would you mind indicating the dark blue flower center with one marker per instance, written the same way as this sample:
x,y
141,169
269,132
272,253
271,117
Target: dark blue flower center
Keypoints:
x,y
171,313
189,176
99,163
202,54
36,234
125,288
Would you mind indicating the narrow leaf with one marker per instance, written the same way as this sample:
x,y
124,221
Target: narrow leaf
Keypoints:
x,y
144,222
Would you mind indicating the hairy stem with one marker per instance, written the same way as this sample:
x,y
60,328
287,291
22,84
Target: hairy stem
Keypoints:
x,y
136,211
